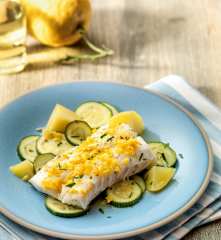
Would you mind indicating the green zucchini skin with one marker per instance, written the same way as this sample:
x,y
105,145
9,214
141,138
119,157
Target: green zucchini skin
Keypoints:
x,y
79,128
140,181
23,143
122,202
94,113
166,156
50,146
41,160
170,156
125,205
111,107
60,209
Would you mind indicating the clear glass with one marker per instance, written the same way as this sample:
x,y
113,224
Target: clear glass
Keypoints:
x,y
13,56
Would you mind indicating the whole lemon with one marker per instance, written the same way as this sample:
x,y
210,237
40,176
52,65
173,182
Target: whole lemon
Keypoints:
x,y
55,22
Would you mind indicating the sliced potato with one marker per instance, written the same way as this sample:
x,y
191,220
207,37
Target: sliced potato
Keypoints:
x,y
23,170
60,117
133,119
158,178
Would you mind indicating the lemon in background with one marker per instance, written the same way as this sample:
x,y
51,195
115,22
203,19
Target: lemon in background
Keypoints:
x,y
56,22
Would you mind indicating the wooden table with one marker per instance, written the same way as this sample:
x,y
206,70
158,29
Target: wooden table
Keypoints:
x,y
151,39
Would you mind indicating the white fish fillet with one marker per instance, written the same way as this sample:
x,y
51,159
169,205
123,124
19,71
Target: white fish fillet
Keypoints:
x,y
138,162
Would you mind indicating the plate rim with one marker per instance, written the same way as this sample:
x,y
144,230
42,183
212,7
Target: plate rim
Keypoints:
x,y
140,230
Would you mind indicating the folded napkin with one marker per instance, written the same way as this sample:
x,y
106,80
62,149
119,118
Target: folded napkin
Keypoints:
x,y
207,208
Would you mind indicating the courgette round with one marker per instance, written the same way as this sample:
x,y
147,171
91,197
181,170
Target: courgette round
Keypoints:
x,y
112,108
41,160
60,209
170,156
52,145
124,194
77,131
140,181
165,155
26,148
94,113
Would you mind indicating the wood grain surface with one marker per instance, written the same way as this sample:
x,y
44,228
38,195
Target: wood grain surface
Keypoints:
x,y
151,39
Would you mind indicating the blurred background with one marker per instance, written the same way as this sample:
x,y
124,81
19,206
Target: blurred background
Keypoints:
x,y
150,39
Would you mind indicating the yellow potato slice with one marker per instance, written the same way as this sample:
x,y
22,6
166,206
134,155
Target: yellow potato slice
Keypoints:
x,y
23,170
60,117
133,119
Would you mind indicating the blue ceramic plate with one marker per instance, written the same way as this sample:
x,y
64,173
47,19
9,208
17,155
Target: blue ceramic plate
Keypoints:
x,y
164,120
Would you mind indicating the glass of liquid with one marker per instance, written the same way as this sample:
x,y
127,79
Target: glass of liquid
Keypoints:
x,y
12,37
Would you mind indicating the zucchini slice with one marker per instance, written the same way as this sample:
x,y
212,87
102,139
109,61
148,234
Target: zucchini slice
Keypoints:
x,y
166,156
94,113
52,145
111,107
158,178
60,209
124,194
41,160
27,148
140,181
170,156
77,131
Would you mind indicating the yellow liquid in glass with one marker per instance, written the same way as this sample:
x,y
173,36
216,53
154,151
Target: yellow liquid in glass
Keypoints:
x,y
12,37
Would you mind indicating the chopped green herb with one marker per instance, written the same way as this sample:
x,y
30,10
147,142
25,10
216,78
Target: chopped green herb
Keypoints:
x,y
60,167
78,177
104,135
73,136
109,139
59,144
180,155
141,155
163,156
70,184
130,195
30,150
101,210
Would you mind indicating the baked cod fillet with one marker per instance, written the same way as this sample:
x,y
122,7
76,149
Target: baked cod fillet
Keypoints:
x,y
108,156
